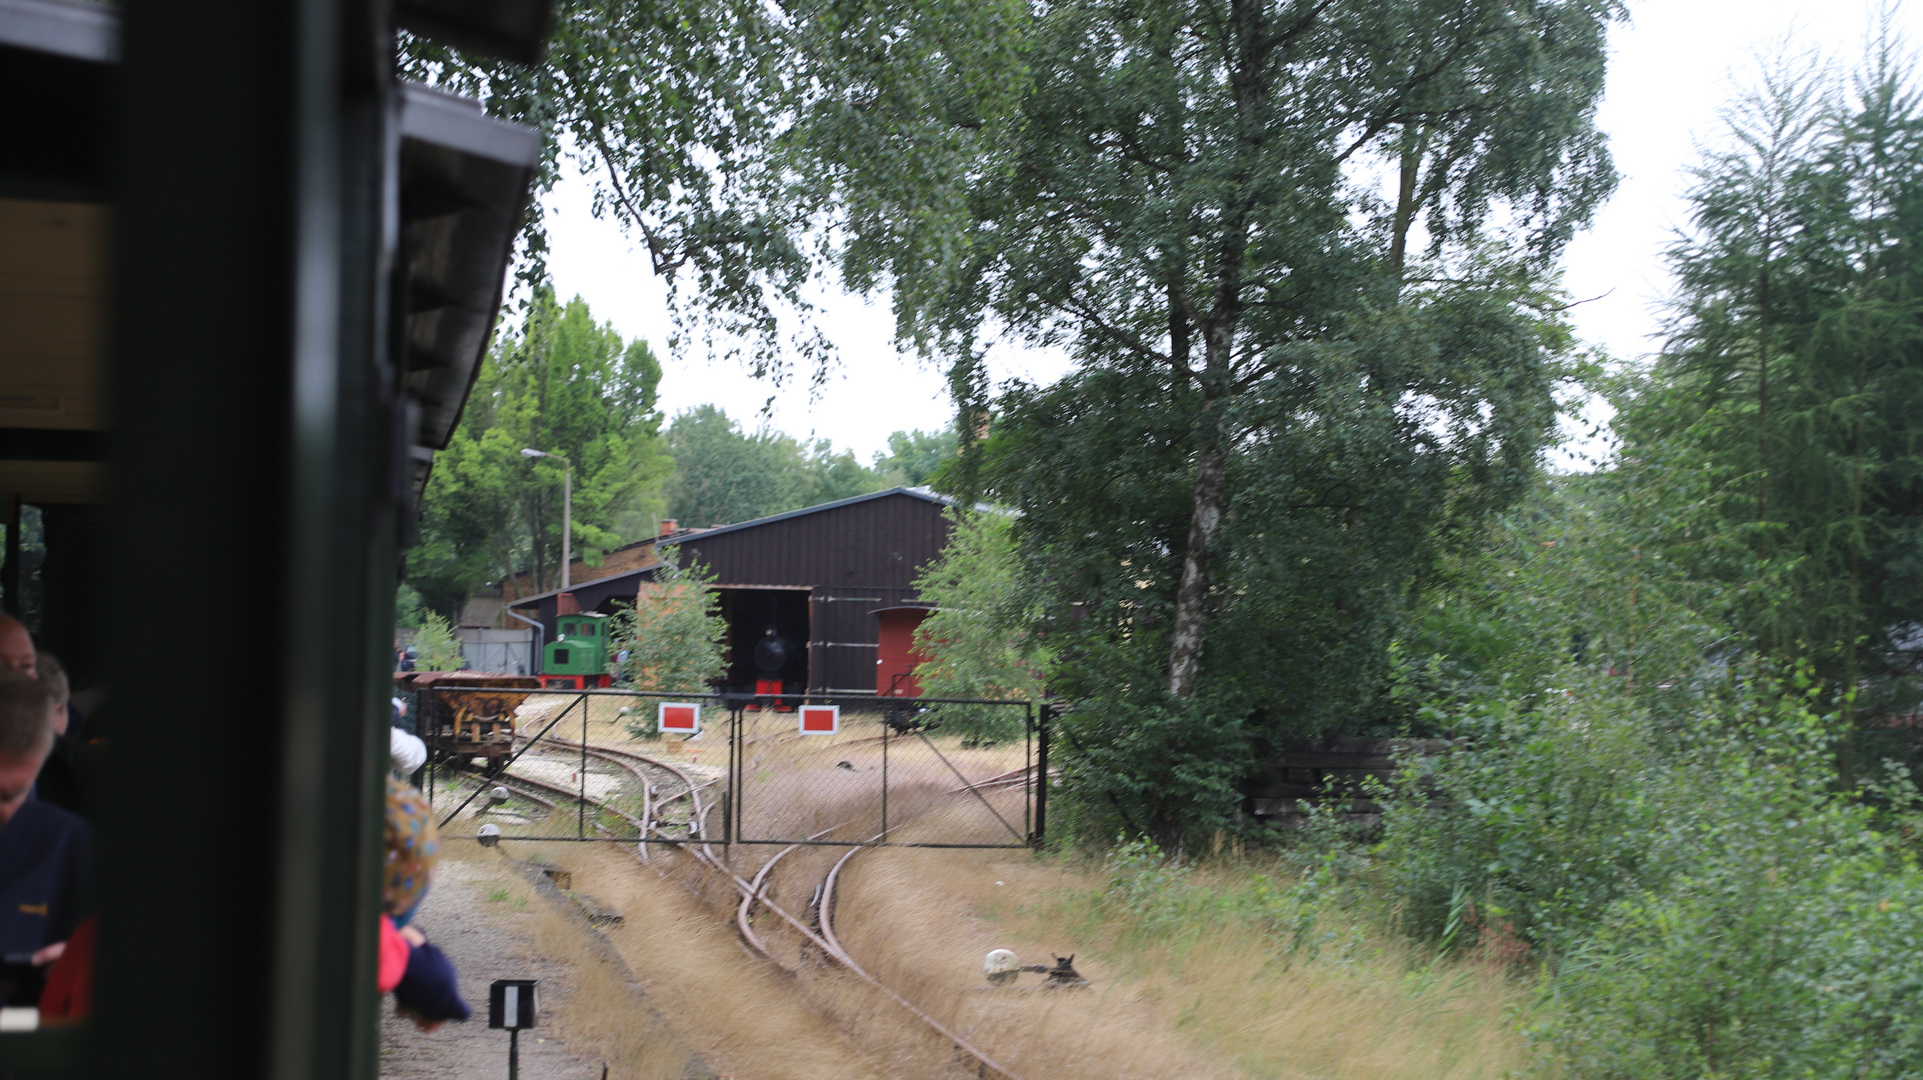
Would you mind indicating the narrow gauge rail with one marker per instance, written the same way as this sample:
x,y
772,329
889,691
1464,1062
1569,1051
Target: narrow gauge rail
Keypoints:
x,y
652,804
753,897
697,846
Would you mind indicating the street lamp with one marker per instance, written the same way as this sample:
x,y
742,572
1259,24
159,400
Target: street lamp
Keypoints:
x,y
567,508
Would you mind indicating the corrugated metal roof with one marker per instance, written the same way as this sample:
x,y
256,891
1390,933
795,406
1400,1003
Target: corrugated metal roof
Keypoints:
x,y
694,535
913,492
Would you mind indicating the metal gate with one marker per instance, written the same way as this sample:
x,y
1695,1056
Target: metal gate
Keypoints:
x,y
588,765
911,772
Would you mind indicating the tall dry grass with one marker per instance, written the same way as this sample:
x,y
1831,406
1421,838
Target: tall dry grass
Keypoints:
x,y
1202,984
746,1019
600,1014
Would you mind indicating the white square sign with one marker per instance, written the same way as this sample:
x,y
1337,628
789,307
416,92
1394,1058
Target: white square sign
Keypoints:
x,y
679,718
820,719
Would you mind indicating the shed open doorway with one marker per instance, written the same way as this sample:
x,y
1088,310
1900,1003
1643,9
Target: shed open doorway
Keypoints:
x,y
768,639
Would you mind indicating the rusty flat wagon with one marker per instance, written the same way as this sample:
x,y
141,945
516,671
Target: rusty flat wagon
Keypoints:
x,y
467,717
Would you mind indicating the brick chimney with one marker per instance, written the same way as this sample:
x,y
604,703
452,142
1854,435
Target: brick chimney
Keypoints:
x,y
669,526
565,604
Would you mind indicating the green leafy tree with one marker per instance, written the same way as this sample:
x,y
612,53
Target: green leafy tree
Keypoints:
x,y
827,476
1170,198
674,635
1581,579
673,111
980,640
563,384
1284,409
914,457
724,474
439,649
408,607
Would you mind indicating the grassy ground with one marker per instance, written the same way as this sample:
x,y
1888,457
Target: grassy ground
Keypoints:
x,y
1240,967
1236,969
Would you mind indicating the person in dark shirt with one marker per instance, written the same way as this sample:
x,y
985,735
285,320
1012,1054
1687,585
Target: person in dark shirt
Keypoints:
x,y
66,780
425,985
45,852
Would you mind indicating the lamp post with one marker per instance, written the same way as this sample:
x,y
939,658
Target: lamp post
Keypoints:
x,y
567,508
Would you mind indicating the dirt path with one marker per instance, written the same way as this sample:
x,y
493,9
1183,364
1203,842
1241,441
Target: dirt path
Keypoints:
x,y
486,940
494,925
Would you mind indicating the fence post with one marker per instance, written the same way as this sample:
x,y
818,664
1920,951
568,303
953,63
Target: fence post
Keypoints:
x,y
1041,774
1028,766
885,728
730,797
582,813
421,701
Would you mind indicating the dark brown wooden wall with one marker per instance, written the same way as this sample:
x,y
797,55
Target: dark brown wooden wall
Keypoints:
x,y
856,558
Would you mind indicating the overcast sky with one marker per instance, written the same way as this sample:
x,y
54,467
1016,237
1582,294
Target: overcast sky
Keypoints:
x,y
1673,67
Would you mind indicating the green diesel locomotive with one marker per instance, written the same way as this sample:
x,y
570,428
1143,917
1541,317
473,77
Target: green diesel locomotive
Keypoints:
x,y
579,656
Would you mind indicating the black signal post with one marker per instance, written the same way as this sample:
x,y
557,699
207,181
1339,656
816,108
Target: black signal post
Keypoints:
x,y
510,1005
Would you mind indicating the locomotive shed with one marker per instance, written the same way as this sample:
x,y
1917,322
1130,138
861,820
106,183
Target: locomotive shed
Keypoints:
x,y
836,580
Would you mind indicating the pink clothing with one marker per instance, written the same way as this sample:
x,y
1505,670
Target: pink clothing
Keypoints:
x,y
393,957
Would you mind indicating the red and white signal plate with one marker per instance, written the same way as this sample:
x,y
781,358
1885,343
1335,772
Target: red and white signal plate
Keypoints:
x,y
820,719
679,718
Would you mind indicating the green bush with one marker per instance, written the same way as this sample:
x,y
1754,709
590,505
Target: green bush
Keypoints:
x,y
1144,765
1714,903
979,639
1544,816
439,649
1775,933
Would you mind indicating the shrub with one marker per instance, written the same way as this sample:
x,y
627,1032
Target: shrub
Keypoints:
x,y
439,649
978,639
1544,817
1139,763
1775,932
1715,903
674,635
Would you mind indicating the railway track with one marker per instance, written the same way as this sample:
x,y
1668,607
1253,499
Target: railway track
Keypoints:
x,y
744,911
697,846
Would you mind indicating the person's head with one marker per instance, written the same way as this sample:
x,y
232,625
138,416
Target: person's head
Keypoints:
x,y
26,734
54,678
16,647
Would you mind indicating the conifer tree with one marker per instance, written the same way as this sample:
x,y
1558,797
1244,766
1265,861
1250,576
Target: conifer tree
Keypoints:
x,y
1794,373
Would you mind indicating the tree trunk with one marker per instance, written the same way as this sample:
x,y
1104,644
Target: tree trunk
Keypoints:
x,y
1413,145
1191,598
1762,398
